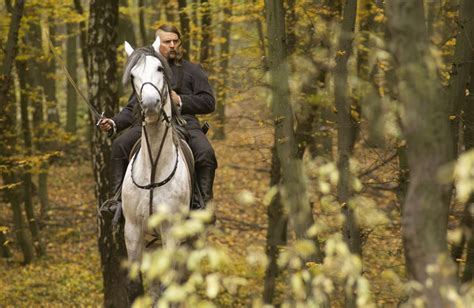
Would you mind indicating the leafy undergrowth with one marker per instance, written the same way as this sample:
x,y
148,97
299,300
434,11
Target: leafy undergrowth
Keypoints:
x,y
70,274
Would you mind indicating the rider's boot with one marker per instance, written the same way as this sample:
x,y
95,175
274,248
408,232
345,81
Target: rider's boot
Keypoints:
x,y
205,180
112,209
205,177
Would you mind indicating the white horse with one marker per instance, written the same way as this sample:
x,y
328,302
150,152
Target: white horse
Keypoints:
x,y
157,179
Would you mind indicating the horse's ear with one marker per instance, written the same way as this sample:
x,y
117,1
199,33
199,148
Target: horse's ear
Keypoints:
x,y
156,44
128,48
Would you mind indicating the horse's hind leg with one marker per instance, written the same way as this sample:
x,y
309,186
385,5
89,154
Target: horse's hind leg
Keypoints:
x,y
134,241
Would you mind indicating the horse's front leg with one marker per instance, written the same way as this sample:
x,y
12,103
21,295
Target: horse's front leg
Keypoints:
x,y
134,240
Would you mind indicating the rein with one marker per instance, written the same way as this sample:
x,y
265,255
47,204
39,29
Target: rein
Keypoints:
x,y
154,162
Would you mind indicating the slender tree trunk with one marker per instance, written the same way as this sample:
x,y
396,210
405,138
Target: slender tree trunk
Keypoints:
x,y
308,112
184,21
7,131
276,232
318,137
461,72
170,9
346,136
370,72
194,36
467,223
468,273
49,81
460,68
142,22
27,182
294,194
261,41
82,34
426,129
4,247
347,126
126,27
37,69
403,174
126,32
221,88
433,8
206,46
102,82
10,51
71,62
20,228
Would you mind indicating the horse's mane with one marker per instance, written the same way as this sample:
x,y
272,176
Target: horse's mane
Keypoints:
x,y
140,54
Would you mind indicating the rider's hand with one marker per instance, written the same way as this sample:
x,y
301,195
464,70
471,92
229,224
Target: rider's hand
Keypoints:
x,y
175,98
106,124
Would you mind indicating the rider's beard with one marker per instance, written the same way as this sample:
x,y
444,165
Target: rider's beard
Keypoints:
x,y
173,54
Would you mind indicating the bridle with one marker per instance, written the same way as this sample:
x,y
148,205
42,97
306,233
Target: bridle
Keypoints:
x,y
164,95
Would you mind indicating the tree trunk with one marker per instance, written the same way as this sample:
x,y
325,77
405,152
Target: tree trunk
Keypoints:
x,y
20,228
313,130
194,36
102,82
37,69
293,192
27,182
221,88
82,34
346,136
126,33
468,273
7,131
433,7
403,174
185,35
126,26
467,223
426,129
347,126
169,8
460,68
276,231
49,81
206,46
370,72
71,63
460,72
10,51
261,41
142,22
4,247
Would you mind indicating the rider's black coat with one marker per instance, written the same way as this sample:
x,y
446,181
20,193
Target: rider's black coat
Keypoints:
x,y
191,83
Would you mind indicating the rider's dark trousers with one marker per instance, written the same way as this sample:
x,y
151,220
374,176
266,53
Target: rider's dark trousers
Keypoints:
x,y
123,144
204,156
203,152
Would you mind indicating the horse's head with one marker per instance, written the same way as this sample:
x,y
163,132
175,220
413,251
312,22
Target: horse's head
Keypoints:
x,y
149,73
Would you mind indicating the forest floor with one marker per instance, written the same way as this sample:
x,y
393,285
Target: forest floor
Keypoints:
x,y
70,273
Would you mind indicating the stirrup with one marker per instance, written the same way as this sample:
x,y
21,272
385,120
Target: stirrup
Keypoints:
x,y
108,209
